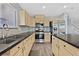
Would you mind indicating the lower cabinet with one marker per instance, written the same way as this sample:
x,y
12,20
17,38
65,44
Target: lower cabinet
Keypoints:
x,y
69,48
64,52
28,43
47,37
23,48
55,44
19,53
61,48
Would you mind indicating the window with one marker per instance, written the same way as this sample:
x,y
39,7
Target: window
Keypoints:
x,y
9,15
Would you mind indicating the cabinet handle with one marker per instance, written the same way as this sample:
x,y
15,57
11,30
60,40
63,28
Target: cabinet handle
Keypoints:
x,y
64,45
18,47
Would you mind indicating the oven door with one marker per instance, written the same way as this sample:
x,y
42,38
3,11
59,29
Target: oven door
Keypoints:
x,y
39,37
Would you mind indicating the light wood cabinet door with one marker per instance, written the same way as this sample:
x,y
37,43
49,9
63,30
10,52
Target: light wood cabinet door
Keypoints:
x,y
64,52
40,16
55,48
22,17
28,43
15,49
47,37
25,50
19,53
39,19
29,21
33,21
46,22
71,49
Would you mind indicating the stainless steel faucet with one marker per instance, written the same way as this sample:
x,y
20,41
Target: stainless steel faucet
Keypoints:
x,y
5,28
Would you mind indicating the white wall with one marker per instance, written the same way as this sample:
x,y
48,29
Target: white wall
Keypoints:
x,y
12,31
0,10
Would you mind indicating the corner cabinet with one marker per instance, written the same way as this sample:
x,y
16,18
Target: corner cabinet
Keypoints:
x,y
61,48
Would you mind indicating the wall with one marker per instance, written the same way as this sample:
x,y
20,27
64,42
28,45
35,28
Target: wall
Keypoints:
x,y
17,29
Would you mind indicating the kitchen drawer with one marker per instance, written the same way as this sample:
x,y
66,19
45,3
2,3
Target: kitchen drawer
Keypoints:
x,y
73,50
15,49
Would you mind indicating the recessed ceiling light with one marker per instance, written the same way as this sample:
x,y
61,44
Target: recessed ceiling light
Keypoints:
x,y
65,6
44,7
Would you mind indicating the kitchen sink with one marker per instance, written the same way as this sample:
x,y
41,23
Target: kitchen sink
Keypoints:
x,y
9,40
6,41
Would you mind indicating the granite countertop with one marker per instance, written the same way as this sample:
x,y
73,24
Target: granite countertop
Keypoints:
x,y
71,39
6,47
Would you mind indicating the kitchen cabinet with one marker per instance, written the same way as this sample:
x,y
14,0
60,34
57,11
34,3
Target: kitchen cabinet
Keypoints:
x,y
22,16
46,22
55,46
19,53
28,43
47,37
31,22
28,20
64,52
23,48
25,18
16,49
39,16
61,48
39,19
71,49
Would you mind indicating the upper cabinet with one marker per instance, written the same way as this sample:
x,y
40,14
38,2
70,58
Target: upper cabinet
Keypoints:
x,y
22,16
39,19
46,22
25,19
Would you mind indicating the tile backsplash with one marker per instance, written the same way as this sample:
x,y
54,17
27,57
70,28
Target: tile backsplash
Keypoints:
x,y
17,31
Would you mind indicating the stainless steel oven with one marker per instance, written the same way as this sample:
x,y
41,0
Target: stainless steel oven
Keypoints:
x,y
39,32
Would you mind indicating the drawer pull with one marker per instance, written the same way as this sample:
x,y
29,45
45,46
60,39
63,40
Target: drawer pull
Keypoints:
x,y
18,47
64,45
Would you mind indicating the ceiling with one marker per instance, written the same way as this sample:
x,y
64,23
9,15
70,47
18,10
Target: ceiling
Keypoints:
x,y
51,9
